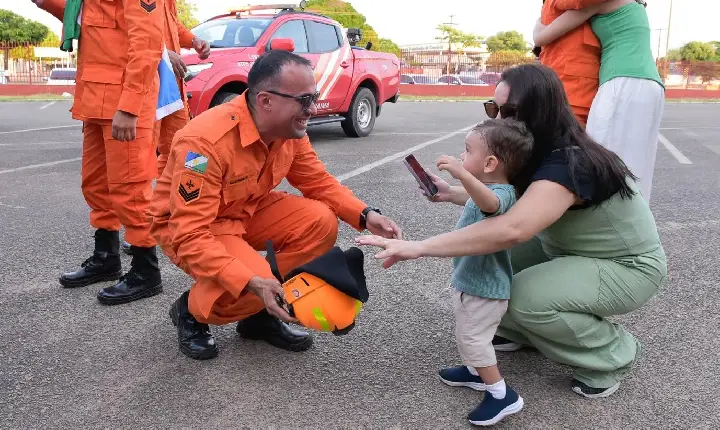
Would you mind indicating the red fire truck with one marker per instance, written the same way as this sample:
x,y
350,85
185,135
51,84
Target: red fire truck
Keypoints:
x,y
353,82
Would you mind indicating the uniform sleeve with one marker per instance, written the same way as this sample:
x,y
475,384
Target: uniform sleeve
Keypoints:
x,y
186,36
194,202
54,7
308,174
576,4
145,40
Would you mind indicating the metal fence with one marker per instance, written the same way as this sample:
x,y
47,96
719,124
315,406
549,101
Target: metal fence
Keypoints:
x,y
35,64
420,64
424,64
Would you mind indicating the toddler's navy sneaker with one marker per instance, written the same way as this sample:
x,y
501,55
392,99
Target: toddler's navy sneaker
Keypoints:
x,y
460,376
491,410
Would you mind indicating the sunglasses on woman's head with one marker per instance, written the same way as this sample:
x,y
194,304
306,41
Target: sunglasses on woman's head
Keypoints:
x,y
492,110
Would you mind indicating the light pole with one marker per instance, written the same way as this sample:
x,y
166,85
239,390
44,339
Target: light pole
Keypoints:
x,y
450,41
667,44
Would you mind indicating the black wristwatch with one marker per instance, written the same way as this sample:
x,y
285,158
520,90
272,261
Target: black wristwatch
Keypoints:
x,y
364,214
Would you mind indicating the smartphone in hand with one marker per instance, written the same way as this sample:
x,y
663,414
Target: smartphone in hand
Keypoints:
x,y
420,175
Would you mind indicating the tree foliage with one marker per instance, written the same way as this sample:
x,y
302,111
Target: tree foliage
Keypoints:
x,y
348,17
507,41
698,51
453,36
186,13
14,30
52,40
501,60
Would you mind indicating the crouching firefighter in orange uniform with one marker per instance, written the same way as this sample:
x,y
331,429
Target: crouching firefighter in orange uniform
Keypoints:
x,y
214,207
120,44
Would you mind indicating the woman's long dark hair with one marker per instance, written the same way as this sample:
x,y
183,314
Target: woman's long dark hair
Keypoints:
x,y
539,100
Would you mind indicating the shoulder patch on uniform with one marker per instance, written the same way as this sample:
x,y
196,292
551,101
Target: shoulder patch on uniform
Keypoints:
x,y
148,5
196,162
189,187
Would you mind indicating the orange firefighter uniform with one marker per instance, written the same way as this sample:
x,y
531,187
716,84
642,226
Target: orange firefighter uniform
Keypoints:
x,y
214,208
176,37
575,57
120,47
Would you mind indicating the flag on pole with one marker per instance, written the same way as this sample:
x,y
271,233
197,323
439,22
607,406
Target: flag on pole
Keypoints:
x,y
169,99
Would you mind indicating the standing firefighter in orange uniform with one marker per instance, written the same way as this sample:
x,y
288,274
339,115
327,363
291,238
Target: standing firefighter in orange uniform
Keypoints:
x,y
214,207
176,37
120,43
575,57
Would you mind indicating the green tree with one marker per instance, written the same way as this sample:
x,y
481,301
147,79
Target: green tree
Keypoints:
x,y
52,40
453,36
507,41
501,60
698,51
716,44
14,29
674,55
348,17
186,13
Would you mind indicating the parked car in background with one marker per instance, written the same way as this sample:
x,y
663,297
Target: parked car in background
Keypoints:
x,y
412,79
62,76
460,80
353,82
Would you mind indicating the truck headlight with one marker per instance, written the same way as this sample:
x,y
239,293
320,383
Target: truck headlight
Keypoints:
x,y
194,69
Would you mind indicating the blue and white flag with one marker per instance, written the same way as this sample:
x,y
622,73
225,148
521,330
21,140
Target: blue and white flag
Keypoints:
x,y
169,99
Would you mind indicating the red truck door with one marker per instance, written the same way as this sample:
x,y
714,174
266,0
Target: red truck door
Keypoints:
x,y
329,52
334,69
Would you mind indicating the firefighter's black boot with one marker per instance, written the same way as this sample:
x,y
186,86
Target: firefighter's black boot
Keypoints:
x,y
126,248
141,281
103,265
194,338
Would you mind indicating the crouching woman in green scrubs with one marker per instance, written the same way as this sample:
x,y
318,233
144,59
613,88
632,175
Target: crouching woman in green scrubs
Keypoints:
x,y
584,244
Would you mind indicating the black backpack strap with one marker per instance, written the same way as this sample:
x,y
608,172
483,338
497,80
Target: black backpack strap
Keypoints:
x,y
272,260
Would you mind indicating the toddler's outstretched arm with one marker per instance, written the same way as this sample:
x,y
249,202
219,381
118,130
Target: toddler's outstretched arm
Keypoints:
x,y
483,196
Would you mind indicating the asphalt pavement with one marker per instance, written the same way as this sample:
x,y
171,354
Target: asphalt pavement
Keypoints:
x,y
68,362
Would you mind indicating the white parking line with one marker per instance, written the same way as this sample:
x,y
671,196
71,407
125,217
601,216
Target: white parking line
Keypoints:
x,y
674,151
47,105
689,127
35,166
40,143
397,155
40,129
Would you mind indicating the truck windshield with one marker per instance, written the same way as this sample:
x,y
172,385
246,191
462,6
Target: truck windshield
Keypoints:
x,y
232,32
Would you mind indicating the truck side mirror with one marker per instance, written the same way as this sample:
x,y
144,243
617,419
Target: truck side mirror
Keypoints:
x,y
354,35
281,44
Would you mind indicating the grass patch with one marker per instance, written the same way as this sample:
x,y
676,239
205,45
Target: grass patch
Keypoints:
x,y
693,100
34,97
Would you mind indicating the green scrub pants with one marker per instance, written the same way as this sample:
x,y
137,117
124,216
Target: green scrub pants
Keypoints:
x,y
560,306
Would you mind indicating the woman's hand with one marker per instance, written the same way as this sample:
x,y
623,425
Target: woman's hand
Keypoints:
x,y
445,191
393,250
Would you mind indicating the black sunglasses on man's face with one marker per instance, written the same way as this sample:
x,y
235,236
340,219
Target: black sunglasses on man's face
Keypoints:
x,y
305,100
492,109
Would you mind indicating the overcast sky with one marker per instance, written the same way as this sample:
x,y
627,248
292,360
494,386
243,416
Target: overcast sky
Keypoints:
x,y
405,22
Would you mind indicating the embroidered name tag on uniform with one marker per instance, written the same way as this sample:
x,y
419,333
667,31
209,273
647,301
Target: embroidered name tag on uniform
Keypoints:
x,y
189,187
196,162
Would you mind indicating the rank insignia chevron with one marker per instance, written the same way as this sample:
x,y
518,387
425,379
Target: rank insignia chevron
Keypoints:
x,y
149,6
189,188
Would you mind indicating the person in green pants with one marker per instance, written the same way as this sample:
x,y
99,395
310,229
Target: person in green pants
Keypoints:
x,y
584,243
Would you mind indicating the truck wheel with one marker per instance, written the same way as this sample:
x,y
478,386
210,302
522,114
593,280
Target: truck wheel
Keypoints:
x,y
222,97
360,119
